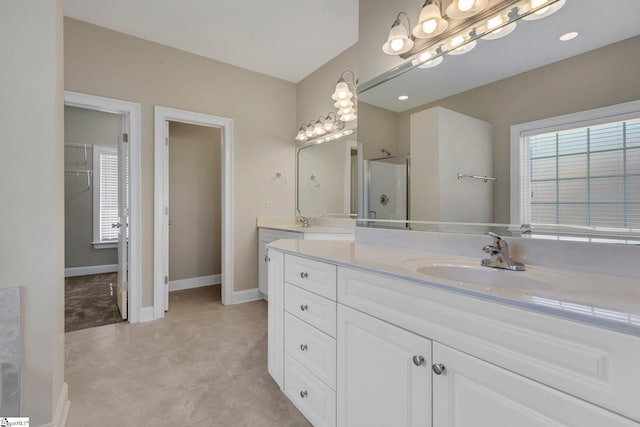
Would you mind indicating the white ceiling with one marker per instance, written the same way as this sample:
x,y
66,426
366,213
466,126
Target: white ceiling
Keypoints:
x,y
533,44
287,39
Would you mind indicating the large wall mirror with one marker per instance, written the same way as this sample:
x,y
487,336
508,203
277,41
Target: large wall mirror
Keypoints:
x,y
329,178
448,128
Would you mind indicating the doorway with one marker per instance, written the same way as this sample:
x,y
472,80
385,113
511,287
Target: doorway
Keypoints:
x,y
102,181
163,116
194,206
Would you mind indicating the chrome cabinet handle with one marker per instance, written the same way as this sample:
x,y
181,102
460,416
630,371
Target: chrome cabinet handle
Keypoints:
x,y
303,394
303,347
304,307
438,368
304,275
266,258
418,360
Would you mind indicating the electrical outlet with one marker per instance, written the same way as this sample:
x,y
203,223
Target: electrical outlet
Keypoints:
x,y
269,206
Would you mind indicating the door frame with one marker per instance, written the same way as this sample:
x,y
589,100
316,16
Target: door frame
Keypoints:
x,y
131,112
161,198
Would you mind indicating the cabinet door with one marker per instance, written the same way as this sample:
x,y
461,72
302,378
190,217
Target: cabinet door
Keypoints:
x,y
379,382
473,393
275,320
262,269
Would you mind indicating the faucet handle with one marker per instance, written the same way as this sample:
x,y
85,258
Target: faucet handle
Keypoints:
x,y
499,241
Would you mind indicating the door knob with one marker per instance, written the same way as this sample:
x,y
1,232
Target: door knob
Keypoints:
x,y
418,360
438,368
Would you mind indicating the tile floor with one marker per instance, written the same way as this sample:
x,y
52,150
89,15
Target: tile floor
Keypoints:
x,y
204,364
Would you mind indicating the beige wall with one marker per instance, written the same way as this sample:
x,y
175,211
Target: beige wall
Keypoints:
x,y
32,218
377,129
115,65
194,201
602,77
82,126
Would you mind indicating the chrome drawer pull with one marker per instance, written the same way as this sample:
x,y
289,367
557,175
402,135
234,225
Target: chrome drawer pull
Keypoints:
x,y
304,307
418,360
438,368
303,347
304,275
303,394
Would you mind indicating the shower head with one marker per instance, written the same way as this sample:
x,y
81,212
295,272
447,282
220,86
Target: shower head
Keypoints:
x,y
386,152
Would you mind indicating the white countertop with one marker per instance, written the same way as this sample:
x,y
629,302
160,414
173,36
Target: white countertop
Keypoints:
x,y
290,225
607,301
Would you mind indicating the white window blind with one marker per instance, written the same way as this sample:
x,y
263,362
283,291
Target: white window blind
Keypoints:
x,y
105,194
587,176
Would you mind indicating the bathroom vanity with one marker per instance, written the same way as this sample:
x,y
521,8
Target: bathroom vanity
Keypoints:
x,y
366,335
270,230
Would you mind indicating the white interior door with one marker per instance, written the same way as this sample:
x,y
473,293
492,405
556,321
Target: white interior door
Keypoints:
x,y
123,222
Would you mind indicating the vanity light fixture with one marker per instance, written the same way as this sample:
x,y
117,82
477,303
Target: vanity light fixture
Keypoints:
x,y
430,22
466,21
462,9
398,41
345,96
323,126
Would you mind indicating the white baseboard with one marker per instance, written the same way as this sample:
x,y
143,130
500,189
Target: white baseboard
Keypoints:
x,y
62,408
195,282
248,295
90,269
146,314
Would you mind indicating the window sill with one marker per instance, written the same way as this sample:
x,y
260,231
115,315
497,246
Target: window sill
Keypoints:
x,y
104,245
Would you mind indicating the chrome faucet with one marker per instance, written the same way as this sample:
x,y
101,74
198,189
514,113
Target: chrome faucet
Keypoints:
x,y
499,255
304,221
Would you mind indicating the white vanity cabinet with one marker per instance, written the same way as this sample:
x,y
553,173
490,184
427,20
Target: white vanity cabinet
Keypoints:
x,y
469,392
266,236
384,373
405,354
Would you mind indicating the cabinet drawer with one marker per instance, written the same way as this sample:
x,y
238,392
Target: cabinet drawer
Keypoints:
x,y
317,277
311,396
313,309
315,350
595,364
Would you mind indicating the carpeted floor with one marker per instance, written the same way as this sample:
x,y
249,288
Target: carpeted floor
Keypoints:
x,y
90,301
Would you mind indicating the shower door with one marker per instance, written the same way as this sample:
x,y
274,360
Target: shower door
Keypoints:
x,y
387,189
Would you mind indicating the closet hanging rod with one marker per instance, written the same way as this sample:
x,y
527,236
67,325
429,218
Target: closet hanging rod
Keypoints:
x,y
77,172
77,145
482,178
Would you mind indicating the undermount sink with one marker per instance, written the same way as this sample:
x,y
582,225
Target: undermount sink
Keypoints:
x,y
484,276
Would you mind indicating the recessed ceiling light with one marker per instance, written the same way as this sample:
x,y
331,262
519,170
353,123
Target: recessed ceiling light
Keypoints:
x,y
568,36
403,97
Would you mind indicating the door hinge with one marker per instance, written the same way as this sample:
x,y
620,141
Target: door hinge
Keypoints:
x,y
166,210
125,137
166,141
166,280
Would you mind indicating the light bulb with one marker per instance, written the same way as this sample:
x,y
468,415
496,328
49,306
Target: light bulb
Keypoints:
x,y
318,129
457,41
494,22
397,45
309,132
346,111
465,5
429,26
343,103
301,135
348,117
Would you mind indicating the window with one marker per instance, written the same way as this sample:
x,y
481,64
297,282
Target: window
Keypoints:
x,y
105,196
581,170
